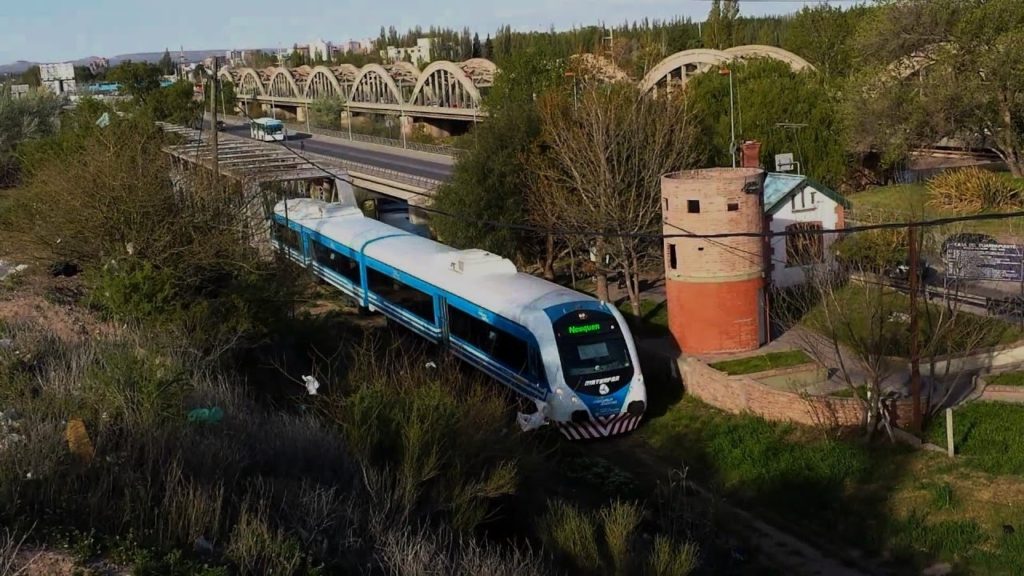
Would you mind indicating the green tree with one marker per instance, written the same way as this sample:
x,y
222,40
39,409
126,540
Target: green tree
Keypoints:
x,y
166,64
488,49
175,104
326,112
23,119
824,36
770,94
30,77
941,68
730,15
713,29
296,58
138,79
490,179
477,48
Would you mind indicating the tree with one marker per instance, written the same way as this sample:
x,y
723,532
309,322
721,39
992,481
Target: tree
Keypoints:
x,y
22,119
941,68
488,49
491,177
606,152
713,27
824,36
326,112
30,77
166,64
296,58
175,103
137,79
477,49
730,13
768,94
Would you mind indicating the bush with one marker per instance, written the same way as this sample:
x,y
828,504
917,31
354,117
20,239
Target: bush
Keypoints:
x,y
973,190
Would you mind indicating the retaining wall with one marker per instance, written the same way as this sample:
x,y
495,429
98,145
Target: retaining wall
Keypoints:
x,y
739,394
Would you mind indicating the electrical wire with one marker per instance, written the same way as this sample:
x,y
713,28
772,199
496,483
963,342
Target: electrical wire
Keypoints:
x,y
689,235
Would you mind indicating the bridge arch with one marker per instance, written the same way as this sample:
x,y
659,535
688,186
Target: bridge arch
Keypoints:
x,y
250,83
282,84
443,84
675,70
480,70
760,51
322,83
374,85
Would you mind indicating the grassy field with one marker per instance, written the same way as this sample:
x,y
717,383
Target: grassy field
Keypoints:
x,y
1007,379
905,201
910,508
854,306
653,319
763,363
987,435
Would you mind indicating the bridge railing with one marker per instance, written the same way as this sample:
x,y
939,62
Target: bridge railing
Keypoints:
x,y
440,149
428,185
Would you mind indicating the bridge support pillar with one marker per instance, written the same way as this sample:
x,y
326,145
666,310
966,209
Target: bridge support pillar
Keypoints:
x,y
435,127
300,113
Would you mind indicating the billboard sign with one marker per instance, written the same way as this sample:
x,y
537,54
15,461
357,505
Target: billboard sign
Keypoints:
x,y
984,261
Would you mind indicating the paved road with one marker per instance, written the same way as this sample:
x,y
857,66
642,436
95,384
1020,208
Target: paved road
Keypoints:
x,y
357,153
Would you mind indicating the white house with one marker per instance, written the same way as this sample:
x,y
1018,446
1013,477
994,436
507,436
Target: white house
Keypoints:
x,y
794,203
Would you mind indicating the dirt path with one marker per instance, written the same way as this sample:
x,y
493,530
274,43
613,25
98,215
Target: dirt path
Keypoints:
x,y
777,547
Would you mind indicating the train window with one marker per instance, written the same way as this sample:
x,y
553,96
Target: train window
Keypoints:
x,y
511,351
401,294
336,262
285,235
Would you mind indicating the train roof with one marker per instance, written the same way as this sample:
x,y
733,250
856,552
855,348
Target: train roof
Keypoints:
x,y
480,277
269,121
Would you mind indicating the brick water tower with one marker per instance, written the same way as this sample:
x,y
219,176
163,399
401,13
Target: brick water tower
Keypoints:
x,y
715,286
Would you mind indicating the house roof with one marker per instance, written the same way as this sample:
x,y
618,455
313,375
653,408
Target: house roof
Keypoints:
x,y
778,187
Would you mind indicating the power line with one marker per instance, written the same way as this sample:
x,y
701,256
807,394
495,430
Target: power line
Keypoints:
x,y
689,235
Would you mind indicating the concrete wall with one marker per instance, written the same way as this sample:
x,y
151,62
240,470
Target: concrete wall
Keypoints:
x,y
810,205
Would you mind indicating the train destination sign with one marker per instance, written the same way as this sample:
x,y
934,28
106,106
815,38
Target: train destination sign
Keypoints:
x,y
585,328
989,261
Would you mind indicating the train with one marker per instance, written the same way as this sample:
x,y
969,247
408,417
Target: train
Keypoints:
x,y
570,356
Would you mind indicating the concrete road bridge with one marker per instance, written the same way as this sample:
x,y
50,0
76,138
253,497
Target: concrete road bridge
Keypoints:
x,y
446,97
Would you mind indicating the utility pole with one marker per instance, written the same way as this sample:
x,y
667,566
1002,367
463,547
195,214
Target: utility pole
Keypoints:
x,y
732,115
213,122
915,352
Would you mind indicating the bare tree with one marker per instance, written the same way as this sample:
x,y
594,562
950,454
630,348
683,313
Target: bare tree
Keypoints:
x,y
605,149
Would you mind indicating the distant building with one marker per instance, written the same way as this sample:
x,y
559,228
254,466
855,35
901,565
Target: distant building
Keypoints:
x,y
58,78
97,65
420,53
236,57
320,49
19,90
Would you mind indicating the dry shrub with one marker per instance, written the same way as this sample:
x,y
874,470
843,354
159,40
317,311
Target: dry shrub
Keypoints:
x,y
973,190
670,558
408,552
258,548
10,544
620,520
572,534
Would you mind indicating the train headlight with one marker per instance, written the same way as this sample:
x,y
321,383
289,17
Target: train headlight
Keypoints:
x,y
636,408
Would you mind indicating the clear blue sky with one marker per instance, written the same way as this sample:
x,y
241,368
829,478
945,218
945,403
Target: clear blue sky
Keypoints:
x,y
54,30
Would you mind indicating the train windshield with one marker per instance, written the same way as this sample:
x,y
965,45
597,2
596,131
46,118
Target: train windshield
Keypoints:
x,y
595,358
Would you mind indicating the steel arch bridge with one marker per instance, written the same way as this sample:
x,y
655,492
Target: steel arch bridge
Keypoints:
x,y
455,90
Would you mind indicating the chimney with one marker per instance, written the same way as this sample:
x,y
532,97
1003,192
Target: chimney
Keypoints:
x,y
750,154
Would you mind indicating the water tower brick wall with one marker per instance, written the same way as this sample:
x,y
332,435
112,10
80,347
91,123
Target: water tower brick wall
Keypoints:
x,y
714,286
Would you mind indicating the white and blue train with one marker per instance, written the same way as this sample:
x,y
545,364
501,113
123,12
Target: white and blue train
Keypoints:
x,y
571,354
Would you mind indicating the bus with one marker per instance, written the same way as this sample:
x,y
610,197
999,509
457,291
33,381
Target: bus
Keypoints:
x,y
267,130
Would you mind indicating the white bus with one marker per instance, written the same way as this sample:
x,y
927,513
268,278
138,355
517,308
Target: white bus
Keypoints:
x,y
267,130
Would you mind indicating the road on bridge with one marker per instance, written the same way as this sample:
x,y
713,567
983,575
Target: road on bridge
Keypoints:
x,y
412,163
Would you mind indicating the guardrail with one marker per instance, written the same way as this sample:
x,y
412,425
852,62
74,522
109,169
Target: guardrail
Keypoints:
x,y
439,149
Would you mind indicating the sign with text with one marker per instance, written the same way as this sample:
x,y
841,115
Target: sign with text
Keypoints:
x,y
970,261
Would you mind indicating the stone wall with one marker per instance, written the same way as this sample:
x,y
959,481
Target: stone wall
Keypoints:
x,y
739,394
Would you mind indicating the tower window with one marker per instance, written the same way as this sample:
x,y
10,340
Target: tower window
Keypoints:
x,y
666,204
733,206
672,256
693,206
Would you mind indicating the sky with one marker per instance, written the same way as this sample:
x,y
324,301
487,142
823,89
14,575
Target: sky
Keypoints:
x,y
56,30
